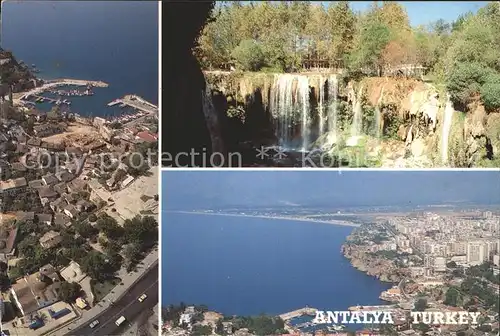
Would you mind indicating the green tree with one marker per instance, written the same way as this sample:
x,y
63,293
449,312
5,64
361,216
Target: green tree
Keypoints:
x,y
421,305
109,227
201,330
249,55
69,291
452,297
97,266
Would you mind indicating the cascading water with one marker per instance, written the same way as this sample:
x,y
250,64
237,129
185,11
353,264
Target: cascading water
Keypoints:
x,y
290,107
378,115
357,119
212,121
320,105
332,109
303,88
448,117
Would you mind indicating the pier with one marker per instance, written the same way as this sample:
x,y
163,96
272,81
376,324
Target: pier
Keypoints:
x,y
42,99
76,82
297,313
135,102
373,308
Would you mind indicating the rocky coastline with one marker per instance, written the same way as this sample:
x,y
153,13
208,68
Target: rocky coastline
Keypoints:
x,y
383,269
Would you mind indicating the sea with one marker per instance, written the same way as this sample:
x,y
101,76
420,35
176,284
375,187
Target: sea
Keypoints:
x,y
249,266
111,41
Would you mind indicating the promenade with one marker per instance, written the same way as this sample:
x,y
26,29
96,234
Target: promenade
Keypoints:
x,y
128,279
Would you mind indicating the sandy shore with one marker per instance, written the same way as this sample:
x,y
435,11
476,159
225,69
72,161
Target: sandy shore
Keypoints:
x,y
333,222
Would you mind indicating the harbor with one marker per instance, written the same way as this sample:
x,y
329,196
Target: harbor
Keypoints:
x,y
141,107
49,85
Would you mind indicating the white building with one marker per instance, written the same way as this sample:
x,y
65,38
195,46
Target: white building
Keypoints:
x,y
476,253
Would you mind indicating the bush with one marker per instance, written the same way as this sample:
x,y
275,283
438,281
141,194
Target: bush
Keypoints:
x,y
490,92
249,55
92,218
465,80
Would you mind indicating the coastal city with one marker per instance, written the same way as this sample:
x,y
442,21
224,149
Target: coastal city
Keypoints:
x,y
436,260
79,209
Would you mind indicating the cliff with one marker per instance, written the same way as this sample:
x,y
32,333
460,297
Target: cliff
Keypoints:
x,y
398,122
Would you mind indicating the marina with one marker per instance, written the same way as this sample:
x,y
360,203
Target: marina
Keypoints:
x,y
42,99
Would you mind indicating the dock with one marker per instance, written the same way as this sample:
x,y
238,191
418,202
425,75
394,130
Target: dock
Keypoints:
x,y
42,99
135,102
297,313
77,82
373,308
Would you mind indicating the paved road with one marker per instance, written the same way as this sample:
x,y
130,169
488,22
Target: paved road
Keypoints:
x,y
127,306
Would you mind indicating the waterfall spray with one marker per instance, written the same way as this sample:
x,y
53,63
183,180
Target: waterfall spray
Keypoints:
x,y
448,117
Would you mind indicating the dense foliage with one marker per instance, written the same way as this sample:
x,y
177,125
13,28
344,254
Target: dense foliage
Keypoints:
x,y
286,36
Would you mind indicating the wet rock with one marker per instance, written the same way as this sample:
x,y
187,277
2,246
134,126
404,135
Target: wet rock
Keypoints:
x,y
417,147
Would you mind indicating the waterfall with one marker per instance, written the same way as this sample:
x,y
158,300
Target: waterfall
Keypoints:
x,y
290,107
303,88
212,121
448,117
332,109
320,106
378,115
358,118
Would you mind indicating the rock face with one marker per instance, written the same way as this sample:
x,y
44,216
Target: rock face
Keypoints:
x,y
184,124
382,269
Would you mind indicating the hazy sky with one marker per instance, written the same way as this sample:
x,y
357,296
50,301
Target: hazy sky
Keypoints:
x,y
205,189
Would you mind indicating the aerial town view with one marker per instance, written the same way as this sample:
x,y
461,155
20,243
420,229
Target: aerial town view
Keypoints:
x,y
79,172
262,252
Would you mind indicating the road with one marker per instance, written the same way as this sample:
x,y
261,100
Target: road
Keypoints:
x,y
127,306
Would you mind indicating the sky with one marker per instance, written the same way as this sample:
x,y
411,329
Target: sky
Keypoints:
x,y
425,12
208,188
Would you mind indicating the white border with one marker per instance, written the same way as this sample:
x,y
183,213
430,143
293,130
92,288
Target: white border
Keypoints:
x,y
159,167
344,169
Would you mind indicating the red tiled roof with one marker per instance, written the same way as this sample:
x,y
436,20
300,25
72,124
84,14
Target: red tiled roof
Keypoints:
x,y
146,136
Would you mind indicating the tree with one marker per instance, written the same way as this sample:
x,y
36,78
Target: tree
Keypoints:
x,y
201,330
97,266
372,40
451,264
132,253
421,305
69,291
249,55
341,23
3,267
109,227
4,282
452,297
141,231
85,230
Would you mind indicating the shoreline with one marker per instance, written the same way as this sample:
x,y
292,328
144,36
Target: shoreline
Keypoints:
x,y
337,222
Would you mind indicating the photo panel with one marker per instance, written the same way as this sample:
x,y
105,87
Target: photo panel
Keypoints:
x,y
331,84
319,252
79,197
